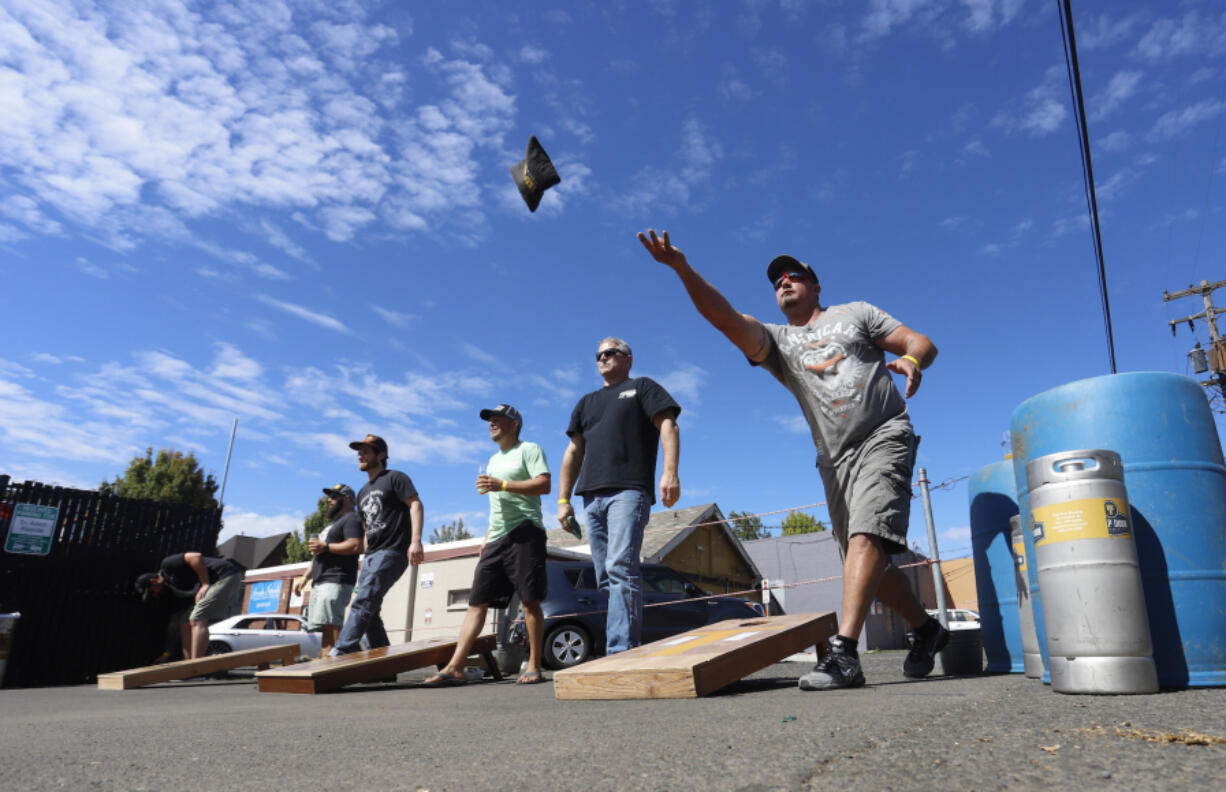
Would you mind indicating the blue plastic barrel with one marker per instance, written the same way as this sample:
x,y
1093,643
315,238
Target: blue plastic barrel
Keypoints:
x,y
1161,426
993,497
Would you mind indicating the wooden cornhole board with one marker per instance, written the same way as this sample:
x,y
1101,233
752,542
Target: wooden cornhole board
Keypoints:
x,y
331,673
695,663
185,669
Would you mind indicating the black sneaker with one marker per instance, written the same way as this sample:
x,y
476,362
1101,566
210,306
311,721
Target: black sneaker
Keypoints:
x,y
838,669
922,656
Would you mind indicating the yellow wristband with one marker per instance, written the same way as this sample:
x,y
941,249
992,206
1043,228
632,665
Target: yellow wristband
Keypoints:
x,y
563,501
912,359
504,485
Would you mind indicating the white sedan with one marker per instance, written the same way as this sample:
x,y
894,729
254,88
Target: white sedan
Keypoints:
x,y
959,618
254,630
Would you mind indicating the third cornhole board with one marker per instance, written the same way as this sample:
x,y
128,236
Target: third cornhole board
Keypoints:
x,y
695,663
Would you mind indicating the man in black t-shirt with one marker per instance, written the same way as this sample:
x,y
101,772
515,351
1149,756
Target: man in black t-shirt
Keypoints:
x,y
613,437
220,582
334,570
392,516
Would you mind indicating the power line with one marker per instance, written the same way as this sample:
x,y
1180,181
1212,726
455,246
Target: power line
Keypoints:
x,y
1087,166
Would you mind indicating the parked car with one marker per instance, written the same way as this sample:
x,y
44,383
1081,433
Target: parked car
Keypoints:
x,y
253,630
575,610
959,618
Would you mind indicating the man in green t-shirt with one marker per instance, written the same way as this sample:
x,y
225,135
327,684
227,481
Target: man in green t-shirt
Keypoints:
x,y
513,554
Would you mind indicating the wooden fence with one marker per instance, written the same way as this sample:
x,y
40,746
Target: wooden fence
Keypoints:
x,y
80,613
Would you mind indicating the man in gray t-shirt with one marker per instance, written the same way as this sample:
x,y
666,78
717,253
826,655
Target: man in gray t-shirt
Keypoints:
x,y
832,359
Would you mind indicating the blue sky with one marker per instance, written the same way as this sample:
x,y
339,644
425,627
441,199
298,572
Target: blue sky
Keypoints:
x,y
299,214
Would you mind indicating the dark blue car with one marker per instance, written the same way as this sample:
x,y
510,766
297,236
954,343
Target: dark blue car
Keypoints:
x,y
575,610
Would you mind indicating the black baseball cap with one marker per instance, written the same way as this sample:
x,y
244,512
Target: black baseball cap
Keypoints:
x,y
785,263
339,491
503,409
374,441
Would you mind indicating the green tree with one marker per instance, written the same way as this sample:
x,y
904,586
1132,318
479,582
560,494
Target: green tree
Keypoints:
x,y
296,546
171,477
798,522
747,527
296,549
450,532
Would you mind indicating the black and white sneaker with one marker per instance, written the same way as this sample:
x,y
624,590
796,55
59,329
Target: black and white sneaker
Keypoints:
x,y
840,668
925,643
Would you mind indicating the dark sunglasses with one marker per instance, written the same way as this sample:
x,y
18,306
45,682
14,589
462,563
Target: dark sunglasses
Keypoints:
x,y
607,353
792,276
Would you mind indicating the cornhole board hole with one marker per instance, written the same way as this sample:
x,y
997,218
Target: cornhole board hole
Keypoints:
x,y
695,663
185,669
371,665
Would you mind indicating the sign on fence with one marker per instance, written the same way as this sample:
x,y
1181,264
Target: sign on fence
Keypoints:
x,y
32,529
265,597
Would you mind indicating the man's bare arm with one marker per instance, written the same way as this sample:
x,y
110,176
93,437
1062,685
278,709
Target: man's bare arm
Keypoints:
x,y
417,519
670,443
743,330
906,343
572,461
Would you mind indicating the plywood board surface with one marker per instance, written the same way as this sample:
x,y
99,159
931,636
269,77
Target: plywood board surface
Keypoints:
x,y
695,663
371,665
185,669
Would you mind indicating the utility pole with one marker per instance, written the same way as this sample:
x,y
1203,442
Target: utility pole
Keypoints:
x,y
1217,348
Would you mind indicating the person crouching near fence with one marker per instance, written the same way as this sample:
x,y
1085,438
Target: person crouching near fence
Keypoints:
x,y
220,582
513,553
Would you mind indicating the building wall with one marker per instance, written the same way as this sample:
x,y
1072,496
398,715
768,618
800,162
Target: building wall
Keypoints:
x,y
441,597
713,562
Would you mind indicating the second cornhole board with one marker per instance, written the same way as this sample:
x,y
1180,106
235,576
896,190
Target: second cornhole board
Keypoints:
x,y
371,665
186,669
695,663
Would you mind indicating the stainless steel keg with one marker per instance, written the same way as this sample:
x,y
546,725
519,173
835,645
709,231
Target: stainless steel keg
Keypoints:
x,y
1032,659
1093,603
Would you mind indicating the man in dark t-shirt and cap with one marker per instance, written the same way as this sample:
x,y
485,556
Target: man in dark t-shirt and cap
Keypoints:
x,y
613,436
334,568
832,359
392,516
220,582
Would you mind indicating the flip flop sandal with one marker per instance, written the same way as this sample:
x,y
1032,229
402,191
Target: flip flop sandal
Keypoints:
x,y
531,678
444,680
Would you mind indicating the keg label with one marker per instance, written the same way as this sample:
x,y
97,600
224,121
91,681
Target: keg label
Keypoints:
x,y
1019,556
1088,518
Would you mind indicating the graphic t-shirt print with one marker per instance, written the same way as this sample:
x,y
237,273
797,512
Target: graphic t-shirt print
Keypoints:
x,y
372,511
832,355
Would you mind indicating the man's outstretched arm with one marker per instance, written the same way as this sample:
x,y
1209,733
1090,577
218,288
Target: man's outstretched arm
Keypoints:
x,y
743,330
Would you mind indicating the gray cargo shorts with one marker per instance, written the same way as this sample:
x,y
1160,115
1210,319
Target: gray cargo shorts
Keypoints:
x,y
869,490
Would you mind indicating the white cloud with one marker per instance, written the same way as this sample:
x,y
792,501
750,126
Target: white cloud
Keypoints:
x,y
531,54
1176,122
1103,31
134,120
931,16
976,148
1191,34
793,424
1123,84
1116,141
1042,110
248,523
685,383
231,363
394,318
306,314
696,158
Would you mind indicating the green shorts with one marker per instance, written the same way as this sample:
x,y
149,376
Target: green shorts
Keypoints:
x,y
216,602
326,608
869,490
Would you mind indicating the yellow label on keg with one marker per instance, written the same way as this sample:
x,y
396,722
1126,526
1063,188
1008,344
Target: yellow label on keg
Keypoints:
x,y
1019,556
1088,518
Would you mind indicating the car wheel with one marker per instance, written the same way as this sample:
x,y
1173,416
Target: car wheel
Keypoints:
x,y
566,646
217,647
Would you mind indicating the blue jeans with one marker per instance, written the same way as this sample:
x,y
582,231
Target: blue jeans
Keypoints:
x,y
615,520
380,571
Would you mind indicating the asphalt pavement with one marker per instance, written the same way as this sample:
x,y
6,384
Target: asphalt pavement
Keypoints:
x,y
762,733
